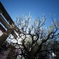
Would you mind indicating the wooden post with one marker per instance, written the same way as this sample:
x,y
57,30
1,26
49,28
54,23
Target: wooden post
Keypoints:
x,y
5,14
7,25
2,29
4,22
4,36
8,18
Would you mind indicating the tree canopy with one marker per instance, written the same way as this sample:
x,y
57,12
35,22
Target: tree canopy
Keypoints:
x,y
35,40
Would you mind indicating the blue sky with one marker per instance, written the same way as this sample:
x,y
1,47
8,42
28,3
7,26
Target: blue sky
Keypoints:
x,y
17,8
